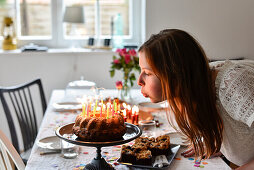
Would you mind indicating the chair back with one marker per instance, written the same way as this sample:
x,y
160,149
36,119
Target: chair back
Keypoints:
x,y
19,106
9,155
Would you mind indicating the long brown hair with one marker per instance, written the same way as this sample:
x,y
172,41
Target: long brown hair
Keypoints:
x,y
181,64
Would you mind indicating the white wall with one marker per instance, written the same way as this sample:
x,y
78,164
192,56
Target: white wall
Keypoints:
x,y
225,28
57,69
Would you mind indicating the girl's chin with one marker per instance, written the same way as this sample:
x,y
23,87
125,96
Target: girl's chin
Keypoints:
x,y
155,100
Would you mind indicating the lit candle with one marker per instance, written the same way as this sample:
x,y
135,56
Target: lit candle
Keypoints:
x,y
94,110
119,107
101,112
116,108
83,109
132,118
82,112
114,104
110,108
124,116
107,108
87,110
137,117
90,107
124,105
136,113
129,111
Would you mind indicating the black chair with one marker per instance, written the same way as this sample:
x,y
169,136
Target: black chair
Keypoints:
x,y
22,104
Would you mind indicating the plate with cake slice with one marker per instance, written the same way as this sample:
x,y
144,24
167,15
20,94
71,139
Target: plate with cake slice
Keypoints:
x,y
146,153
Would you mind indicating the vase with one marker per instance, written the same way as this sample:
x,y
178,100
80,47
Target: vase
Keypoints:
x,y
126,91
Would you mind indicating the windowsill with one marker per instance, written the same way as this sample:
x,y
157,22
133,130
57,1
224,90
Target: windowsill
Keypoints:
x,y
60,51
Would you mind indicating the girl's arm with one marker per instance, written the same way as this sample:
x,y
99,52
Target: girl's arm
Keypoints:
x,y
190,153
248,166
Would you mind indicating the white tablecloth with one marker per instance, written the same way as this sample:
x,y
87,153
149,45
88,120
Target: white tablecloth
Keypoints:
x,y
52,120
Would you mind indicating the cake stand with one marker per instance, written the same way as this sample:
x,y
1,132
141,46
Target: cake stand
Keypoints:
x,y
98,162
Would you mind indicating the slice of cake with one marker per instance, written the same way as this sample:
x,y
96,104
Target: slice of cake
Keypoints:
x,y
153,147
163,138
127,155
163,148
137,147
145,140
144,157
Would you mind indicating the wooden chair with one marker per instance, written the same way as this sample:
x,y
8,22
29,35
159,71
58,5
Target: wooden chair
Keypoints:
x,y
22,105
9,155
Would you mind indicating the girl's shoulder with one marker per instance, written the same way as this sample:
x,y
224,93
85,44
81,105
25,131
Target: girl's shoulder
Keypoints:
x,y
218,65
235,89
230,71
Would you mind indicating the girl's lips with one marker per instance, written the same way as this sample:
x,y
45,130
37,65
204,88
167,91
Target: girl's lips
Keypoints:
x,y
145,95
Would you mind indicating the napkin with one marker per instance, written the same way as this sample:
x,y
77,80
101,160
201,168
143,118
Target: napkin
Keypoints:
x,y
160,161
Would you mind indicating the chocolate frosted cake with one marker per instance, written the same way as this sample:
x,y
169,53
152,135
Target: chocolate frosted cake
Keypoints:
x,y
99,129
100,122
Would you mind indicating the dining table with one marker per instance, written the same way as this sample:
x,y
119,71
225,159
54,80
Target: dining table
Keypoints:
x,y
55,118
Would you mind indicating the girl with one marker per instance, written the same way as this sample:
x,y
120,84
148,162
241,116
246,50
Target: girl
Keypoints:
x,y
213,108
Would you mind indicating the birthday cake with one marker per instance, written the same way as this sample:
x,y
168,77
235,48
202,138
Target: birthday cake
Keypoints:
x,y
101,124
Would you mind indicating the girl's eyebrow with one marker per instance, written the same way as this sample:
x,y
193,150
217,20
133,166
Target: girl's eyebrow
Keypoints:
x,y
145,68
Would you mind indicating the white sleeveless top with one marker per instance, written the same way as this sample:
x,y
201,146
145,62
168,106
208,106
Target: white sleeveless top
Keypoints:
x,y
235,103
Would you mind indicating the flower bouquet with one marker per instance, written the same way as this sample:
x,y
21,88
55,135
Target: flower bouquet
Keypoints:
x,y
128,62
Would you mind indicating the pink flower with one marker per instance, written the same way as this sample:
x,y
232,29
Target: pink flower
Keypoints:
x,y
124,50
116,61
127,58
119,50
119,85
132,52
122,53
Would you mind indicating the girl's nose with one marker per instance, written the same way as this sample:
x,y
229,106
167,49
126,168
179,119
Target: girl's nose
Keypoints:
x,y
140,81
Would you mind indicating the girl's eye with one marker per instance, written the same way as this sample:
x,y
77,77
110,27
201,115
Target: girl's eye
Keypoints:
x,y
148,74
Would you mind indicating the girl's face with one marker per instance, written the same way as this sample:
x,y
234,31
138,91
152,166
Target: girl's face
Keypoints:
x,y
149,82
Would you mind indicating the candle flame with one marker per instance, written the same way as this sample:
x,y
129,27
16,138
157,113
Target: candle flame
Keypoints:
x,y
124,105
124,113
94,106
135,109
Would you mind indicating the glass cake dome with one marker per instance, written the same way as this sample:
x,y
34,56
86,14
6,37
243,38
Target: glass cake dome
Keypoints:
x,y
78,88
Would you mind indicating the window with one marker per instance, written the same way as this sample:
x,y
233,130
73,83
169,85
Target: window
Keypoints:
x,y
41,21
34,18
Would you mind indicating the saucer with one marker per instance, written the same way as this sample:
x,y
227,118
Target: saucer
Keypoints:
x,y
152,107
51,142
67,106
